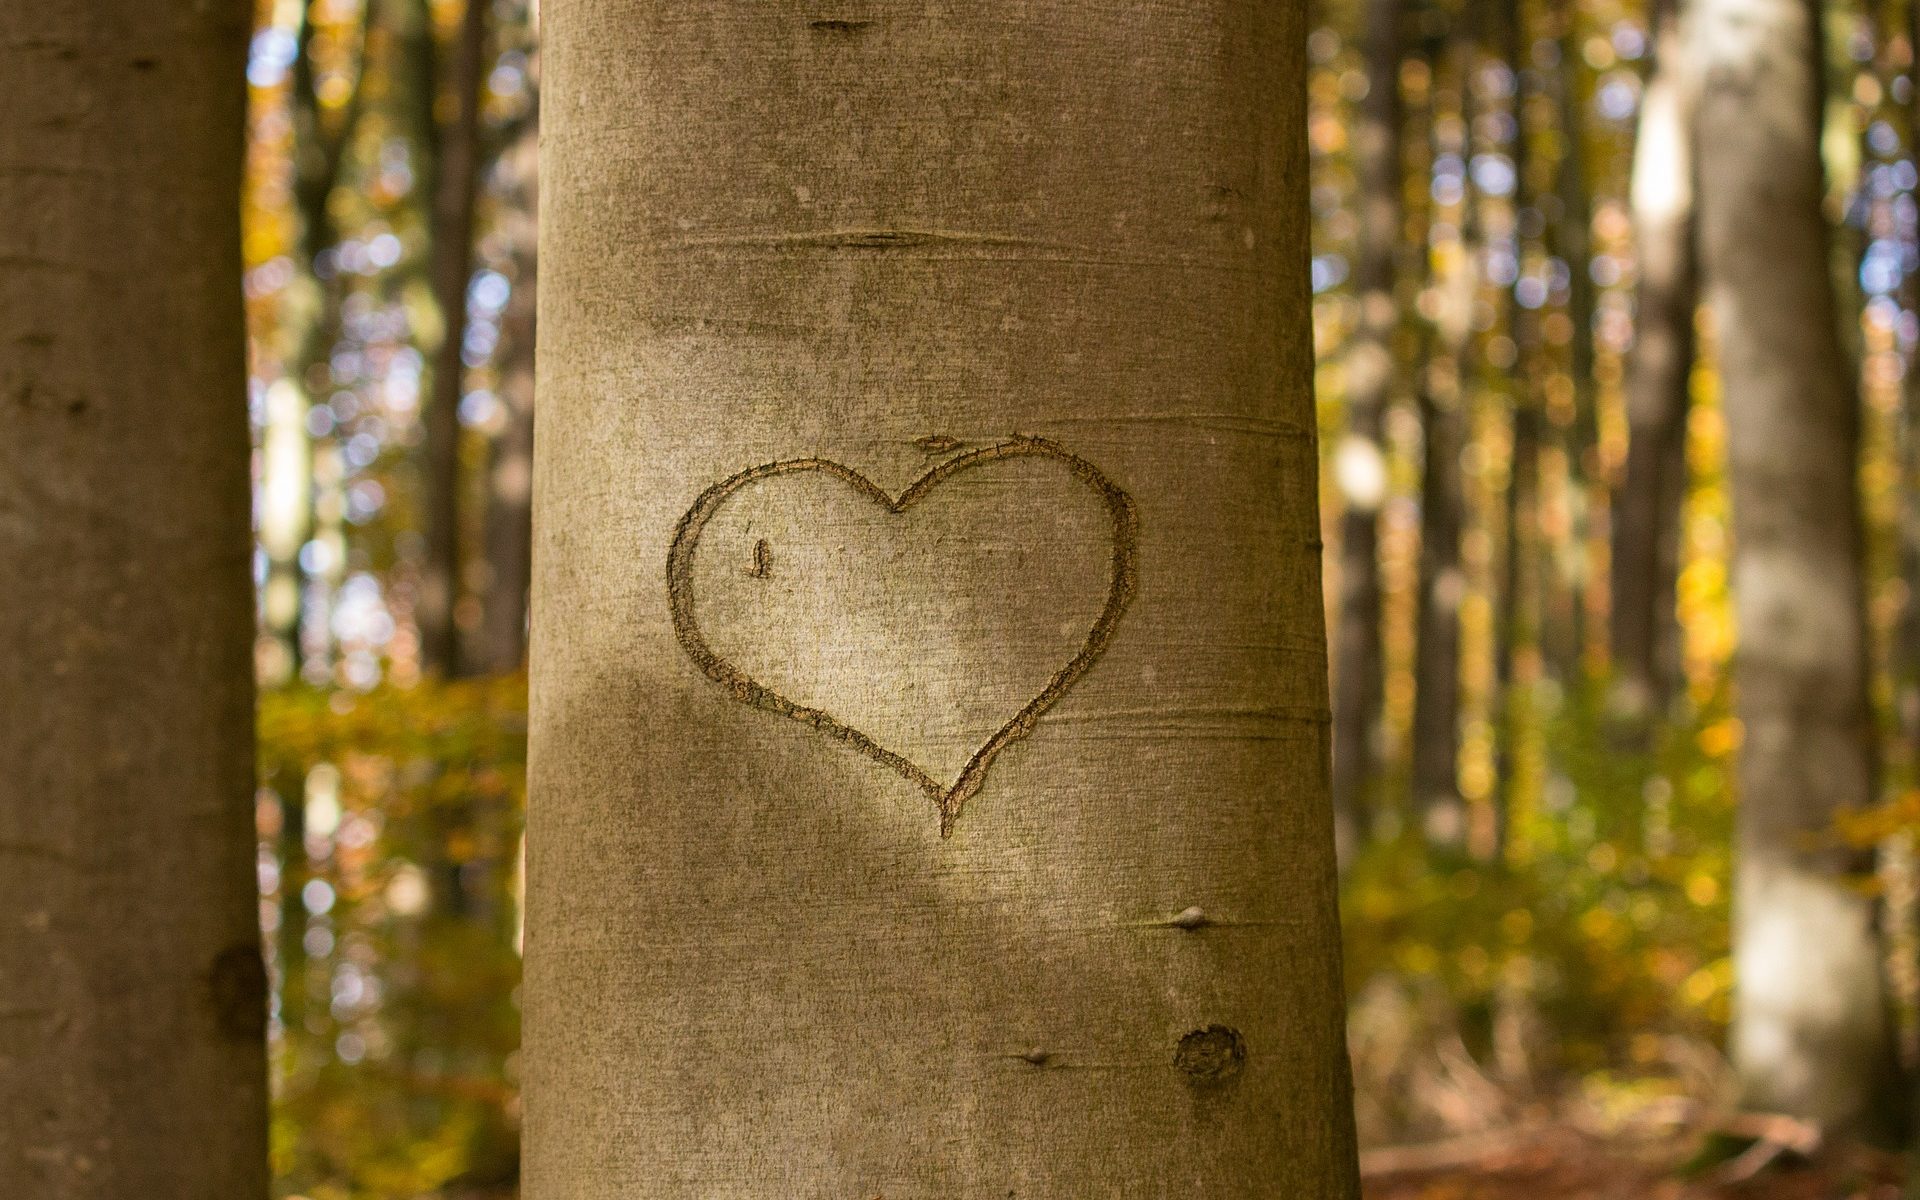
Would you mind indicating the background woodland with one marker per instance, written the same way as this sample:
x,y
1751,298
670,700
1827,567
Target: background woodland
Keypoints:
x,y
1528,508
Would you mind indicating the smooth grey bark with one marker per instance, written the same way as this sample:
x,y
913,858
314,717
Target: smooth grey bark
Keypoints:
x,y
1647,508
1360,462
1049,260
132,994
1811,1030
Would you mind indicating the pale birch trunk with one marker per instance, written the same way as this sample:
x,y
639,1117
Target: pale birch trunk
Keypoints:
x,y
794,930
132,995
1811,1032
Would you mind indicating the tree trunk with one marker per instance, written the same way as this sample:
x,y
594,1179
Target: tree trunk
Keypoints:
x,y
1518,601
1647,509
286,503
929,735
1444,396
503,632
1360,464
1905,648
1442,584
1811,1030
454,180
1568,637
132,995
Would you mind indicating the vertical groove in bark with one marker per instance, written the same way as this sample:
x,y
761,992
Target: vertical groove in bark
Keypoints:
x,y
755,966
1811,1035
1444,397
454,179
132,994
1360,466
509,527
1647,507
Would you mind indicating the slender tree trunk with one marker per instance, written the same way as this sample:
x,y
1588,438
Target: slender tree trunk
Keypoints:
x,y
1436,702
455,180
296,869
1515,622
1442,587
944,838
1811,1030
1573,243
503,633
132,995
1905,647
1360,463
286,507
1647,509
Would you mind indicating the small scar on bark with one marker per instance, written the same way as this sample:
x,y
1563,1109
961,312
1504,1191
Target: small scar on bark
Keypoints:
x,y
1211,1056
839,25
1191,918
1036,1057
76,407
145,63
762,560
879,239
1222,200
938,443
238,983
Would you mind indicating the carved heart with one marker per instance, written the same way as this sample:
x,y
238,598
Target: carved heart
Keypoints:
x,y
746,689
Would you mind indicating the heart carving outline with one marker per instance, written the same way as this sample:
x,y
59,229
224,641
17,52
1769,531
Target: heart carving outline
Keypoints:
x,y
747,690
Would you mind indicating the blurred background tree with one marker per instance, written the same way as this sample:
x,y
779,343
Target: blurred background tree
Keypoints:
x,y
1537,441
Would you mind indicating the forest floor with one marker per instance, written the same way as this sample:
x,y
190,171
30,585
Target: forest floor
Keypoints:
x,y
1554,1162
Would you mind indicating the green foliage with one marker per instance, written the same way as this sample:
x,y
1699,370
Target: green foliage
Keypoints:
x,y
1607,914
393,914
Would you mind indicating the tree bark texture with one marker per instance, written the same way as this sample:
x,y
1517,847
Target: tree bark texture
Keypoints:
x,y
929,761
1647,508
1360,463
1811,1030
132,996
